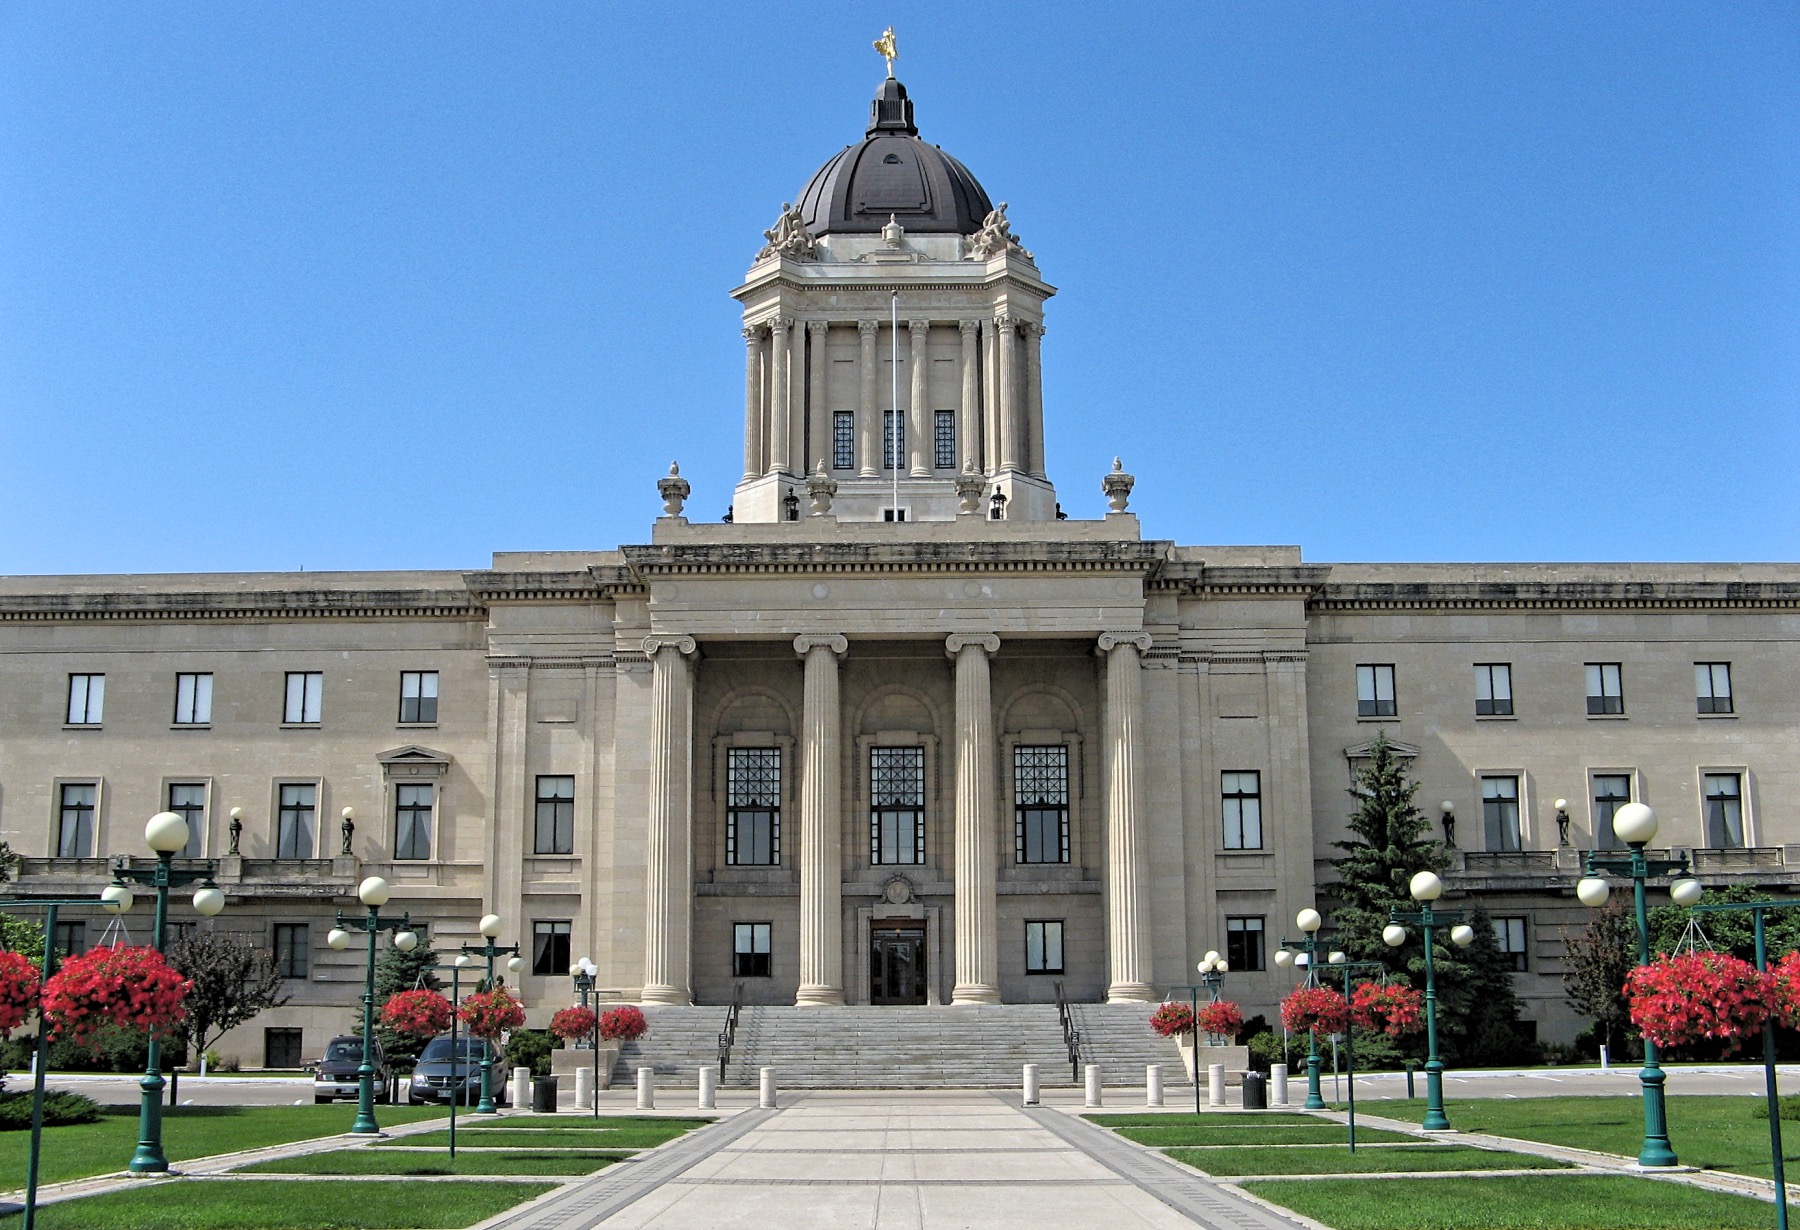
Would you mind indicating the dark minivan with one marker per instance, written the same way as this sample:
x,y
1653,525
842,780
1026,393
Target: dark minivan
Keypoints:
x,y
336,1076
438,1079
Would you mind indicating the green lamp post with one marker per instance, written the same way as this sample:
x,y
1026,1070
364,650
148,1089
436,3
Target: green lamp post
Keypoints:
x,y
373,893
1306,952
166,833
1425,889
1341,964
1635,825
491,925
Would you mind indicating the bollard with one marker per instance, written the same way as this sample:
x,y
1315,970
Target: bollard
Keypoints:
x,y
646,1089
709,1086
1093,1084
1153,1085
1215,1084
1411,1066
1605,1059
521,1088
1031,1084
1278,1084
584,1088
767,1082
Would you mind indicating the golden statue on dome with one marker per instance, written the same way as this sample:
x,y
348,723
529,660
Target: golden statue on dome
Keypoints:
x,y
888,48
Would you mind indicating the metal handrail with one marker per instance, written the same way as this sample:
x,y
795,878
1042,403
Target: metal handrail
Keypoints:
x,y
1071,1035
728,1035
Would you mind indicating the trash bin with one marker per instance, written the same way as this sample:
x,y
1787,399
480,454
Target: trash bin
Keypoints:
x,y
543,1093
1256,1091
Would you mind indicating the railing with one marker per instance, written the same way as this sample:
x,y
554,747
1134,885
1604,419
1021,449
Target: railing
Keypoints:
x,y
1716,859
728,1035
1071,1035
1502,861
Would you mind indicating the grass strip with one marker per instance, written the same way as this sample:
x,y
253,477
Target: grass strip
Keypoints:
x,y
581,1123
1514,1202
1339,1160
273,1204
387,1161
1323,1134
1220,1119
623,1138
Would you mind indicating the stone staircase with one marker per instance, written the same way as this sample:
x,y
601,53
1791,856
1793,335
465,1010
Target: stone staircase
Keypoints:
x,y
898,1048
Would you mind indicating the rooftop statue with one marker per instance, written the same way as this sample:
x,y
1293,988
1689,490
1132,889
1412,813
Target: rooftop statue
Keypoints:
x,y
995,237
789,237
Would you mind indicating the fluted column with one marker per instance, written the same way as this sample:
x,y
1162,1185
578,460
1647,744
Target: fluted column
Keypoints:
x,y
780,404
753,407
977,917
968,427
821,826
818,408
1010,435
1127,863
868,418
920,415
669,875
1034,400
990,397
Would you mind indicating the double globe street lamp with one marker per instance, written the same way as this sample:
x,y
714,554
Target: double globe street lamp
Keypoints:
x,y
373,893
1306,952
491,925
1426,888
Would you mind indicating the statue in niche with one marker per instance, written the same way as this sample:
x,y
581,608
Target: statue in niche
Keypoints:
x,y
995,237
348,831
789,237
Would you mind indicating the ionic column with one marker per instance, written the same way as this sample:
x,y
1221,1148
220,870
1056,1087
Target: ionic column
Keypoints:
x,y
753,407
977,917
818,408
1010,435
821,827
1034,399
868,418
990,397
968,427
780,404
668,873
1127,869
922,445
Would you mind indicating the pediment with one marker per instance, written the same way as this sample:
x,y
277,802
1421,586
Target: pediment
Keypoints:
x,y
413,760
1363,750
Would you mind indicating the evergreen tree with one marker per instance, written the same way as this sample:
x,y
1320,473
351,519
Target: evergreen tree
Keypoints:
x,y
397,971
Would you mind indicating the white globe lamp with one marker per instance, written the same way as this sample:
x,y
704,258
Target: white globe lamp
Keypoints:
x,y
490,925
1222,966
1393,935
1337,958
406,941
116,899
208,902
1462,935
1426,886
337,939
515,964
1635,824
1309,921
1592,891
1686,890
373,891
166,833
1284,958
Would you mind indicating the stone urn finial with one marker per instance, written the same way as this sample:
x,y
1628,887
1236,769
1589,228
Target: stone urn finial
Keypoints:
x,y
820,487
1117,487
969,486
674,491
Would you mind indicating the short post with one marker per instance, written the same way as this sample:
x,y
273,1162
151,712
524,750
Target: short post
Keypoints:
x,y
1093,1084
1605,1059
1411,1066
709,1086
646,1089
1031,1084
1153,1093
584,1087
521,1088
766,1082
1215,1084
1278,1078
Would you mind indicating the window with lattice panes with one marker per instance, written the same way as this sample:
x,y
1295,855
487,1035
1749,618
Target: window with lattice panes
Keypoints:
x,y
1041,803
1240,798
897,805
753,806
1724,810
412,821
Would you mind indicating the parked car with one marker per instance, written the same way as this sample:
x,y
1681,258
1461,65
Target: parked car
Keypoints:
x,y
439,1077
336,1075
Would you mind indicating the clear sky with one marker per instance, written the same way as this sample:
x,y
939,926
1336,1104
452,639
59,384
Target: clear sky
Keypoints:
x,y
369,285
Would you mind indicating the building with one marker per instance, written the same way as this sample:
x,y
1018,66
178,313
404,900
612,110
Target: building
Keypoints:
x,y
898,733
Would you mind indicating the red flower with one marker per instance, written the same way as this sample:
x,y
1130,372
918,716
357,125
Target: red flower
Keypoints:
x,y
419,1013
1316,1008
1391,1007
132,987
488,1014
572,1024
1784,991
1172,1019
1678,1000
623,1024
1221,1019
19,988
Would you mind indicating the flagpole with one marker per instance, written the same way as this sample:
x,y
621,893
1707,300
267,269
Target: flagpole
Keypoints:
x,y
894,371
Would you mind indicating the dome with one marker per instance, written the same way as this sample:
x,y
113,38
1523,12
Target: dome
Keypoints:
x,y
893,174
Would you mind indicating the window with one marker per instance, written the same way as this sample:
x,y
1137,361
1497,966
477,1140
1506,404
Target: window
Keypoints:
x,y
893,514
87,698
281,1048
1493,689
1712,686
843,440
412,821
893,440
188,800
1241,798
753,806
1041,804
1244,944
75,825
1509,934
70,939
305,691
750,950
1611,792
944,440
1375,691
193,700
1606,690
555,816
294,820
1724,811
897,804
418,696
550,948
292,944
1043,948
1500,812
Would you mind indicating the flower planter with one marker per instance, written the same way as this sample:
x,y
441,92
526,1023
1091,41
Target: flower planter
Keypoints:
x,y
564,1062
1235,1058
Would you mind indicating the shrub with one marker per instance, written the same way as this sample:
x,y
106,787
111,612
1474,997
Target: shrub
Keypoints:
x,y
529,1048
60,1110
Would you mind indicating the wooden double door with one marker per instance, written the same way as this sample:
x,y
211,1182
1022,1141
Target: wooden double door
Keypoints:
x,y
897,963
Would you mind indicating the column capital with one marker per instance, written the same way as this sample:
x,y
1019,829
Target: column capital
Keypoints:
x,y
918,326
1006,323
1110,641
834,641
817,327
781,324
956,642
969,328
868,328
682,644
752,334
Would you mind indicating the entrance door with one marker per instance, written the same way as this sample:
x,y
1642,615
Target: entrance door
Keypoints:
x,y
896,965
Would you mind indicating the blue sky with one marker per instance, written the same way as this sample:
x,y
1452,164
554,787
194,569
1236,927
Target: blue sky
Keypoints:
x,y
383,285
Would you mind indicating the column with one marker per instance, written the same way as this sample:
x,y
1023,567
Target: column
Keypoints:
x,y
990,397
1034,400
821,825
1010,435
977,919
753,407
968,428
780,432
668,871
818,407
868,418
1127,872
920,431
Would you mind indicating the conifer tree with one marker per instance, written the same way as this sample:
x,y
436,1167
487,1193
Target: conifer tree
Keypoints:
x,y
397,971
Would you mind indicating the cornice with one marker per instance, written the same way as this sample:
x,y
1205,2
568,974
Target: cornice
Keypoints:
x,y
1559,596
118,606
1114,558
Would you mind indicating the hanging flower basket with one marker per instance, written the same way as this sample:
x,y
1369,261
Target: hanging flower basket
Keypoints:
x,y
1392,1008
623,1024
574,1024
1222,1019
19,988
1697,995
418,1014
1172,1019
488,1014
1784,991
130,986
1316,1008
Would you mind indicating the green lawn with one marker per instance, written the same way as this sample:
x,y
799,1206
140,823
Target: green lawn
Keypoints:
x,y
404,1162
188,1132
1322,1134
273,1204
1219,1119
1713,1133
572,1123
1336,1159
542,1138
1514,1202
